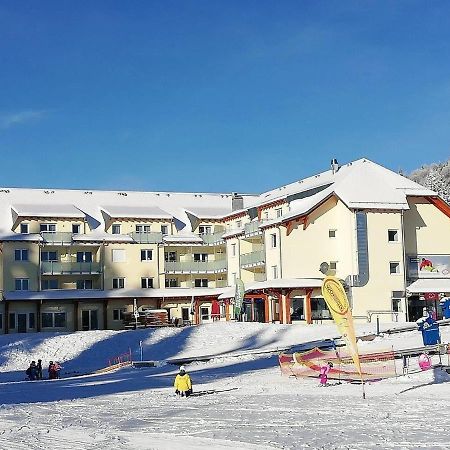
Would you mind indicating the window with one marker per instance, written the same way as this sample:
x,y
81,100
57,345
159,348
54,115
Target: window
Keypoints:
x,y
392,235
49,284
143,228
273,240
238,223
24,228
21,254
275,272
333,265
146,283
76,228
118,283
47,227
21,284
49,256
233,249
332,233
170,256
266,215
394,268
12,321
203,257
205,229
53,320
171,282
164,229
60,320
115,229
397,304
118,255
146,255
84,284
118,314
279,212
31,320
84,256
204,312
201,282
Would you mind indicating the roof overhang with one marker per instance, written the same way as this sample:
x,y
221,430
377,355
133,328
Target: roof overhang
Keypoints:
x,y
425,285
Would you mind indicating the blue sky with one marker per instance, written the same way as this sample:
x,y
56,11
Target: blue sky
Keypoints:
x,y
218,96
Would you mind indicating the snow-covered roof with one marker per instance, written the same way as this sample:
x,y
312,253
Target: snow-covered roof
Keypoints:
x,y
47,210
69,294
359,184
138,212
279,283
180,238
102,237
429,285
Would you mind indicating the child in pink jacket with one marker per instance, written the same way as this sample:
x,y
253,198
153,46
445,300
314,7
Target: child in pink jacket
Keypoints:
x,y
324,373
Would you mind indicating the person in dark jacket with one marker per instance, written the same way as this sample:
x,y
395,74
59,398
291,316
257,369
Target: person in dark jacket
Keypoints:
x,y
32,371
51,371
39,369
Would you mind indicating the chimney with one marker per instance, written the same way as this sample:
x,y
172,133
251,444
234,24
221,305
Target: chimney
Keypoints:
x,y
237,201
334,165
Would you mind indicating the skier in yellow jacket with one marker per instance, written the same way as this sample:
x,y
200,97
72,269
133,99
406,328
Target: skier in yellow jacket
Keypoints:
x,y
183,383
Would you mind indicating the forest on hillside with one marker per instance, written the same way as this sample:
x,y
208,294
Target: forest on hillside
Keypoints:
x,y
434,176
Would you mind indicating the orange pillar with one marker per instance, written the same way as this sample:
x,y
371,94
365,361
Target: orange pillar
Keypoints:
x,y
266,309
227,311
196,312
281,308
287,301
308,314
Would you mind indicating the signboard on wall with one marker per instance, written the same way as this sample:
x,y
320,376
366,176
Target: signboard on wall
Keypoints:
x,y
429,266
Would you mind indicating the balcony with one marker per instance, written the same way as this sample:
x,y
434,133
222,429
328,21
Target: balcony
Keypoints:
x,y
196,266
151,237
215,238
252,229
70,268
253,259
57,238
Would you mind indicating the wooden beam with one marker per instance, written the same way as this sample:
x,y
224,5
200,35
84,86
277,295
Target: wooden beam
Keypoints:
x,y
440,204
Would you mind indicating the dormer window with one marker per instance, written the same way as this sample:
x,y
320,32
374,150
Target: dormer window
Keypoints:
x,y
205,229
24,227
115,229
47,227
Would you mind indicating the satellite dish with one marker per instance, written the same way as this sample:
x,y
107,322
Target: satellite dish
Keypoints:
x,y
324,267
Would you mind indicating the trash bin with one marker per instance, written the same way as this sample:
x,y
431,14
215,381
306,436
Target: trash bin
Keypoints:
x,y
430,331
445,305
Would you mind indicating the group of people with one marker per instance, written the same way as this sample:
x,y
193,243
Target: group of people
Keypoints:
x,y
34,371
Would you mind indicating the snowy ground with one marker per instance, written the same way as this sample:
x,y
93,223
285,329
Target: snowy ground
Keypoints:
x,y
252,407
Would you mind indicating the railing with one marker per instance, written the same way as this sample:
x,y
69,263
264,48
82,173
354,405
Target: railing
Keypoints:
x,y
212,238
195,266
253,258
221,283
55,268
57,238
151,237
252,228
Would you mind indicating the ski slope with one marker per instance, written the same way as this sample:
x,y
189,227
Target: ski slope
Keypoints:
x,y
247,403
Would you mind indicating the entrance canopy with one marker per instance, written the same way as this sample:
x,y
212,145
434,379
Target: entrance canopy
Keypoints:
x,y
279,283
429,285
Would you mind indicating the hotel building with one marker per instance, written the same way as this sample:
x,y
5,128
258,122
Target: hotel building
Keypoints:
x,y
77,259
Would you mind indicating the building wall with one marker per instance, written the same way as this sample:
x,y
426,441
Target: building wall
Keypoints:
x,y
426,229
376,295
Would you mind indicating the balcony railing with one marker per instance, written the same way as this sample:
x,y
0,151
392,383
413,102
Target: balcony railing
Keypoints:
x,y
57,238
214,238
253,258
252,228
151,237
196,266
68,268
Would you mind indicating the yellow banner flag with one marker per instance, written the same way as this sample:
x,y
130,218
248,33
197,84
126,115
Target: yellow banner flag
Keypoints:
x,y
334,294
